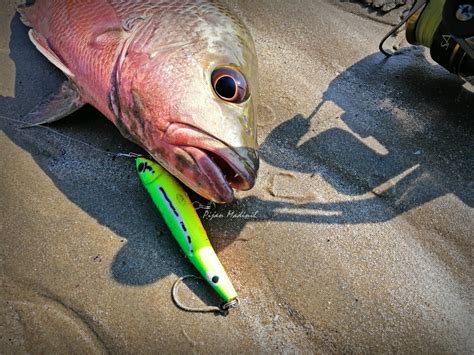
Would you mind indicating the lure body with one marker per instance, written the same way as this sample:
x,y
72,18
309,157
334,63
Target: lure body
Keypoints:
x,y
183,221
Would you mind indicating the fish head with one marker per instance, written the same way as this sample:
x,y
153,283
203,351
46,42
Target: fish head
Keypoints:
x,y
190,102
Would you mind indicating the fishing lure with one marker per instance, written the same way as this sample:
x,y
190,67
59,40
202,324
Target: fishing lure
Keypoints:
x,y
186,227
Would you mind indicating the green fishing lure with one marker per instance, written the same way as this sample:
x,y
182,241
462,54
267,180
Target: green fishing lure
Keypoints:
x,y
183,221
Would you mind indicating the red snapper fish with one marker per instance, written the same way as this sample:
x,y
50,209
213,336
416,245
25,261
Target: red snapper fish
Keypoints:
x,y
178,78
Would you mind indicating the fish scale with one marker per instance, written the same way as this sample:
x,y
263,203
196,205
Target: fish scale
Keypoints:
x,y
148,65
67,25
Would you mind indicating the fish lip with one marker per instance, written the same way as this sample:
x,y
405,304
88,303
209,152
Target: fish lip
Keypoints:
x,y
219,189
215,159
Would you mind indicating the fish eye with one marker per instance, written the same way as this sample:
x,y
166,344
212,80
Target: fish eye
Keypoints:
x,y
229,84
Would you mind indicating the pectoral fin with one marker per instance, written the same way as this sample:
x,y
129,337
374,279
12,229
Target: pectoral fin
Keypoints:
x,y
56,106
42,45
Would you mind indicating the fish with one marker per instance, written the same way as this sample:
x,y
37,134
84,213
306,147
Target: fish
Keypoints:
x,y
181,218
178,78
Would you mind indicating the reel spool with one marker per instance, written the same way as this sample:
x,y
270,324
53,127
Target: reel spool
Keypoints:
x,y
447,28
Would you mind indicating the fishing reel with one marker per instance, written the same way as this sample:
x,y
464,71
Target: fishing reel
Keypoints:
x,y
446,27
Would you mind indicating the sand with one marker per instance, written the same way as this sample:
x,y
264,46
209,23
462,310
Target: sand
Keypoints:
x,y
358,236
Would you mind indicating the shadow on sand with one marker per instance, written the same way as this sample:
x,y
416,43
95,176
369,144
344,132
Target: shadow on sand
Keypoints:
x,y
418,113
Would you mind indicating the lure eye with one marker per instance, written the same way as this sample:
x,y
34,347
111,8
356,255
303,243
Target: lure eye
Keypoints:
x,y
229,84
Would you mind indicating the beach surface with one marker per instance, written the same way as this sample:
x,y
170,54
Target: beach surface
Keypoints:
x,y
357,237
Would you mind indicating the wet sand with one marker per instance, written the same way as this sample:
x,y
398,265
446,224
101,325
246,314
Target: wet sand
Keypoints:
x,y
358,235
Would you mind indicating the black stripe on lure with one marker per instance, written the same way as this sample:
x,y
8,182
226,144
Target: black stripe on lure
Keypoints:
x,y
181,218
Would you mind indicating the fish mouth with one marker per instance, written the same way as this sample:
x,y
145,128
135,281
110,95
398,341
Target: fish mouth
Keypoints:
x,y
221,168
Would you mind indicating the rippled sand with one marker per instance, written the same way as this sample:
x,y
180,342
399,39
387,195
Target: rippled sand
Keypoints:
x,y
358,236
